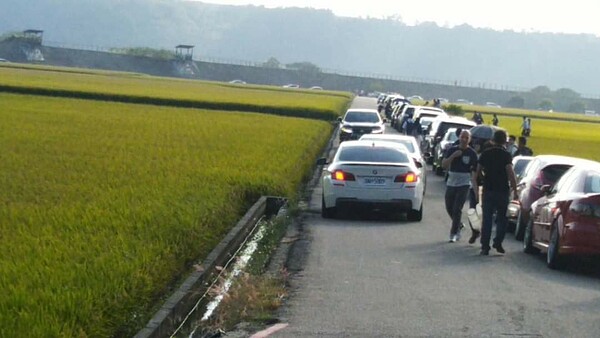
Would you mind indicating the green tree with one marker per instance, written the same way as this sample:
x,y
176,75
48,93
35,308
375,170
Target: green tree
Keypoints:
x,y
454,109
566,94
546,104
541,91
272,63
516,102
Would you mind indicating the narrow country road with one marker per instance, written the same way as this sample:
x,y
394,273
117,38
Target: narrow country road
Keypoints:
x,y
374,276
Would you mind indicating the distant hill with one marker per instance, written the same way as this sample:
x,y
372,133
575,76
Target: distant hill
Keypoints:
x,y
463,55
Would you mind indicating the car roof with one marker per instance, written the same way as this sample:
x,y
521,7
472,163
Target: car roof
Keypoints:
x,y
451,130
370,139
370,143
388,136
562,159
455,119
365,110
523,157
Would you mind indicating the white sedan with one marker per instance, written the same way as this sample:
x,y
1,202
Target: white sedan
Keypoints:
x,y
377,174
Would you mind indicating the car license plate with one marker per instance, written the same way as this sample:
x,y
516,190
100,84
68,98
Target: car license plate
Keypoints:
x,y
374,180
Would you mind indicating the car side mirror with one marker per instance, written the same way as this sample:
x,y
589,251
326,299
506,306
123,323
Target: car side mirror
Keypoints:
x,y
339,119
417,163
322,161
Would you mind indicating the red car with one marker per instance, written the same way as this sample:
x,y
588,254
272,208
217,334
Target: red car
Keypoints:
x,y
566,220
542,170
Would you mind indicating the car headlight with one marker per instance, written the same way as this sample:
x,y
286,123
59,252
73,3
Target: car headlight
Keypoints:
x,y
346,129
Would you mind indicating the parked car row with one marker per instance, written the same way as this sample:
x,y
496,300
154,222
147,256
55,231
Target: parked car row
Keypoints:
x,y
558,207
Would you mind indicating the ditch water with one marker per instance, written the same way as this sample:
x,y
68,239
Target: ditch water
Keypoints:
x,y
235,267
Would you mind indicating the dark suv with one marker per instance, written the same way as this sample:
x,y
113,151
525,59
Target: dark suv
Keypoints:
x,y
357,122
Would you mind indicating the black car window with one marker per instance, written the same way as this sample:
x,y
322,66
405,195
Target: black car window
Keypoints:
x,y
361,117
552,173
520,166
372,154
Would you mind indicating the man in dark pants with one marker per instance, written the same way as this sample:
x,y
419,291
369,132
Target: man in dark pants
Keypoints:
x,y
460,161
495,165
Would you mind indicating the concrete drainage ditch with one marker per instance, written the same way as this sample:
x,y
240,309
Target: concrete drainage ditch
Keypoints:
x,y
190,302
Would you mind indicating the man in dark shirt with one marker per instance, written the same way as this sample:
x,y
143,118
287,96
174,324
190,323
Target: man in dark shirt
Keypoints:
x,y
460,161
522,148
495,165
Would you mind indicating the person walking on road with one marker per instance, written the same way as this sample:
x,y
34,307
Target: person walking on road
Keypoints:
x,y
495,120
495,165
460,161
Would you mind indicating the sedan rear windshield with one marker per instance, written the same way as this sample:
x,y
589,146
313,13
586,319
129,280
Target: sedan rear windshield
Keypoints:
x,y
361,117
372,154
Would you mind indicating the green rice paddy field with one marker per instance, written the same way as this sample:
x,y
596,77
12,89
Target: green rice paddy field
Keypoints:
x,y
187,92
571,138
103,205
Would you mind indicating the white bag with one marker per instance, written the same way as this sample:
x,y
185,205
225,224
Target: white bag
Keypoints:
x,y
474,216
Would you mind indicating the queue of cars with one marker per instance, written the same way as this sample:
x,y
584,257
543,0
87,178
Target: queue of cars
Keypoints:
x,y
558,207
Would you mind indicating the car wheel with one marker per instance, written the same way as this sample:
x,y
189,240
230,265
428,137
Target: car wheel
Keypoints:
x,y
415,215
326,212
519,227
528,238
553,259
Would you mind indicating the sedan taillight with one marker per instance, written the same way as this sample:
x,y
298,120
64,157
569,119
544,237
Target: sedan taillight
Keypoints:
x,y
340,175
409,177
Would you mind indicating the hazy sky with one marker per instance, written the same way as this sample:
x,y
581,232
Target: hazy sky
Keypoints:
x,y
574,16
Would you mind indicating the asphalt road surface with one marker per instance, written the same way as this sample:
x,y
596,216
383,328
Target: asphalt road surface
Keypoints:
x,y
370,275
